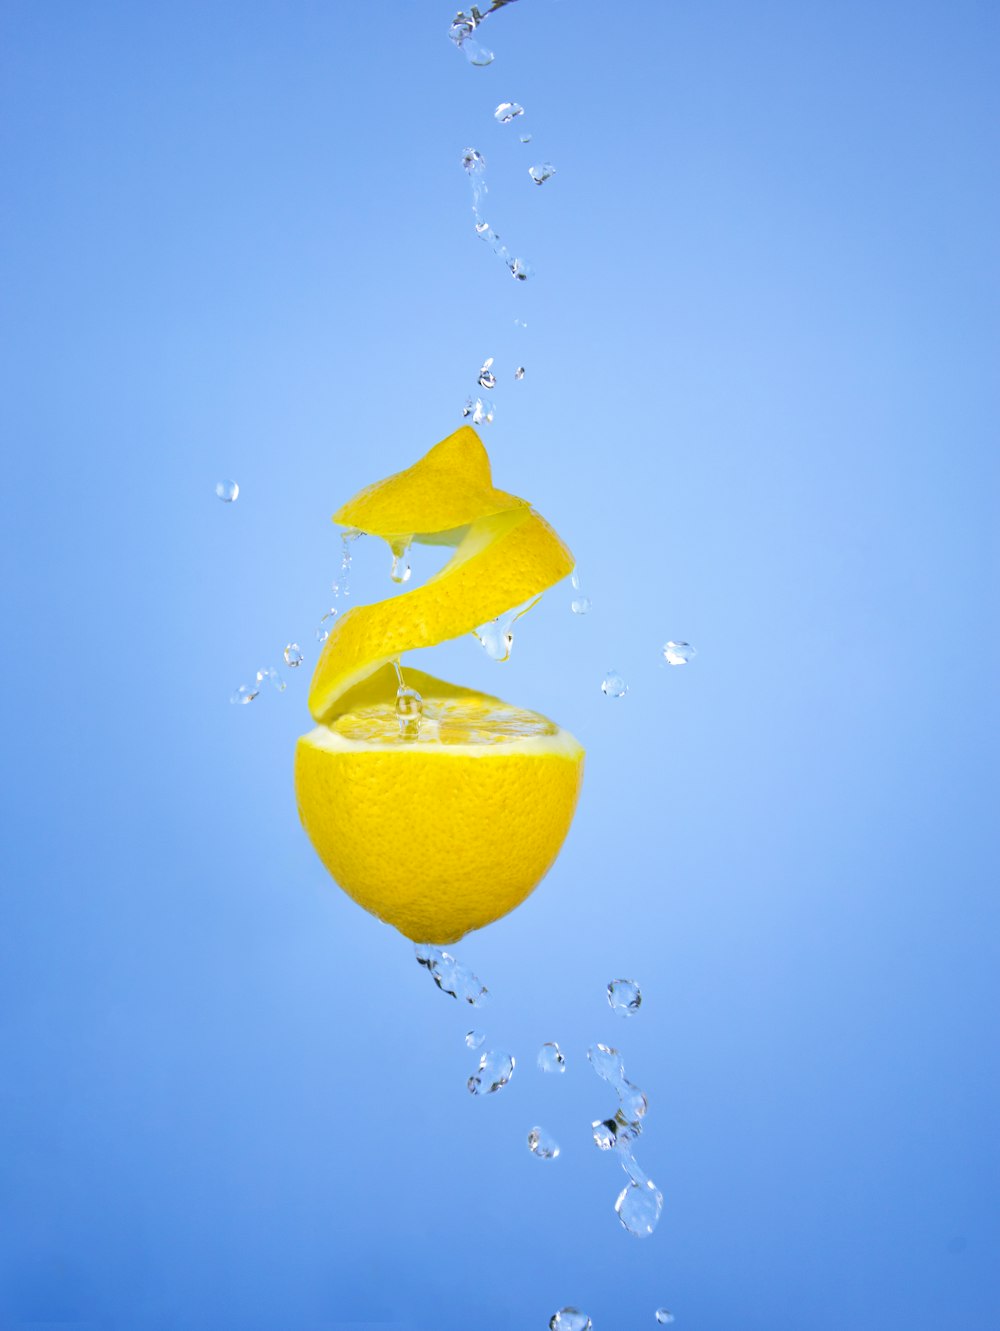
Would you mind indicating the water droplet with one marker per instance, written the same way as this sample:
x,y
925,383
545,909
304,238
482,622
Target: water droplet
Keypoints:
x,y
485,231
519,372
400,570
664,1316
476,54
613,685
520,323
551,1058
580,605
507,111
450,976
474,1039
639,1206
461,27
526,137
633,1104
326,624
521,269
487,379
495,1070
481,409
607,1063
228,491
273,678
409,710
574,579
570,1319
541,172
293,655
542,1144
605,1133
244,694
678,653
474,161
625,997
496,636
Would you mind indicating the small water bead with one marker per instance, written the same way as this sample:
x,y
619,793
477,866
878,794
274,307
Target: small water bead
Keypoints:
x,y
487,379
613,685
474,161
293,655
400,570
496,636
326,624
624,997
507,111
461,28
228,491
551,1058
570,1319
664,1316
633,1103
409,710
474,1039
244,694
450,976
678,653
520,323
580,605
480,409
519,372
541,172
526,137
542,1144
496,1067
521,269
605,1133
639,1207
273,678
607,1063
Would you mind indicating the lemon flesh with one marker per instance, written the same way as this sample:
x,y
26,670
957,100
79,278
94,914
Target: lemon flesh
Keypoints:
x,y
447,828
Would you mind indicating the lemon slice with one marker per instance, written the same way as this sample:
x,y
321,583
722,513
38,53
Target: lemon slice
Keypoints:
x,y
446,828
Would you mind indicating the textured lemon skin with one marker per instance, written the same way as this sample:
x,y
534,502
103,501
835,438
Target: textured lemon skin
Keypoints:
x,y
437,841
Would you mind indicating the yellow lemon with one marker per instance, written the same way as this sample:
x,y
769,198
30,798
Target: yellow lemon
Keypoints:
x,y
445,814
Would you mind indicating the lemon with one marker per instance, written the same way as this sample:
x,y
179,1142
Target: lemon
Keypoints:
x,y
442,828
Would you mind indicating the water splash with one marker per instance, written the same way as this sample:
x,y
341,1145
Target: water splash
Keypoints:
x,y
551,1058
227,491
496,1067
496,636
450,976
474,164
542,1144
625,997
678,653
293,655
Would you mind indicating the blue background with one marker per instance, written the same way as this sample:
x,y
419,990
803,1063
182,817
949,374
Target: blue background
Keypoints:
x,y
758,405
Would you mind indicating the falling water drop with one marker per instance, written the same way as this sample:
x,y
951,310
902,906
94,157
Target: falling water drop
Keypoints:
x,y
521,269
474,161
541,172
326,624
244,694
293,655
542,1144
450,976
633,1104
496,636
487,379
607,1063
519,372
605,1133
400,570
228,491
580,605
664,1316
625,997
569,1319
678,653
480,409
476,54
474,1039
273,678
639,1207
613,685
496,1067
551,1058
525,137
507,111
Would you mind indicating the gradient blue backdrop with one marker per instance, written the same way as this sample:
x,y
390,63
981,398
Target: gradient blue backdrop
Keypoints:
x,y
758,405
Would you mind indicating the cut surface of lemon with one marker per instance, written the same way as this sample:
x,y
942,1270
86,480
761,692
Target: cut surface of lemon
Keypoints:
x,y
439,827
